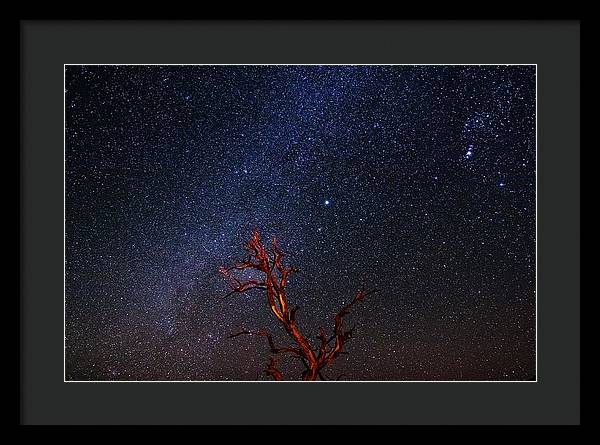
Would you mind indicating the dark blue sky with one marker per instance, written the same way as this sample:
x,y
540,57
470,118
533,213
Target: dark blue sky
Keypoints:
x,y
416,180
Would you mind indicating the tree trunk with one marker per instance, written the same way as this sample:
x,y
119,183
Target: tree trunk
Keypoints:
x,y
310,374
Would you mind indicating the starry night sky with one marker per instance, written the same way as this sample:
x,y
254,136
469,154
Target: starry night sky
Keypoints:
x,y
415,180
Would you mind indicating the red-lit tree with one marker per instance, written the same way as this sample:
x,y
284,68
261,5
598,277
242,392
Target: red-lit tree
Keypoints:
x,y
273,280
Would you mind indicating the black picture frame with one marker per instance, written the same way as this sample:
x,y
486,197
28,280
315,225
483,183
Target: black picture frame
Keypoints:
x,y
47,45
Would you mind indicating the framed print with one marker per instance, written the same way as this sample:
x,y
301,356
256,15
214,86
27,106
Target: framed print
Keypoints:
x,y
351,218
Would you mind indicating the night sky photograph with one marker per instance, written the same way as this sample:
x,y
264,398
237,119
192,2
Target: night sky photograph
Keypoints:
x,y
300,222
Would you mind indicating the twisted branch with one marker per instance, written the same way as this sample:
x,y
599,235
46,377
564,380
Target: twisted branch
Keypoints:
x,y
276,278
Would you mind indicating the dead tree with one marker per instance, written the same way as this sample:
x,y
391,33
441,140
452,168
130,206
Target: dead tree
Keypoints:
x,y
273,281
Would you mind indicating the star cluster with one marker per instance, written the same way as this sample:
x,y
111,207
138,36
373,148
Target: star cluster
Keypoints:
x,y
415,180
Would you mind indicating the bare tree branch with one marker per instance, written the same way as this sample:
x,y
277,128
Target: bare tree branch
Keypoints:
x,y
275,279
272,370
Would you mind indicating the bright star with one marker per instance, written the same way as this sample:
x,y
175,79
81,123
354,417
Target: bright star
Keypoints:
x,y
469,151
327,202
